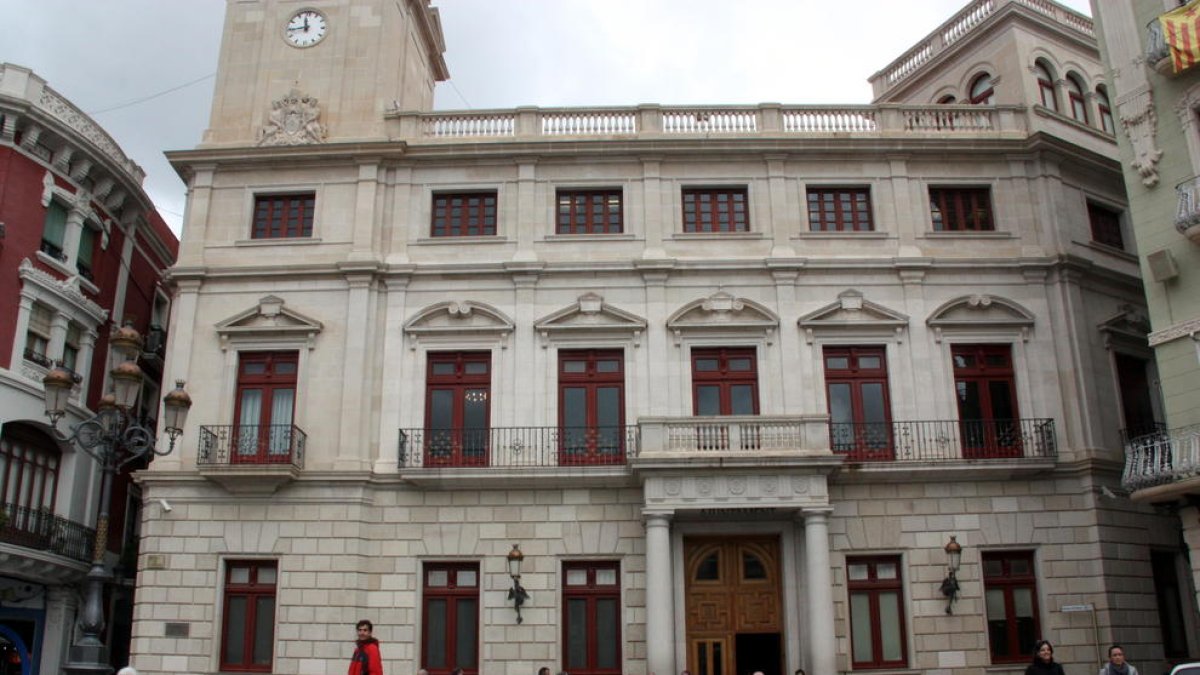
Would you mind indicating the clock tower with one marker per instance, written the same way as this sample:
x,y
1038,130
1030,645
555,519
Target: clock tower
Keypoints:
x,y
307,71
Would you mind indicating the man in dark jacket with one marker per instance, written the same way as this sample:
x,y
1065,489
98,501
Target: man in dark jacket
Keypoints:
x,y
366,660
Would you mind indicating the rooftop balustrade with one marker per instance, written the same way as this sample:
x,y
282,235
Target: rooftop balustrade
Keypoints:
x,y
765,120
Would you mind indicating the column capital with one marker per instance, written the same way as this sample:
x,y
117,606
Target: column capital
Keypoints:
x,y
658,518
815,514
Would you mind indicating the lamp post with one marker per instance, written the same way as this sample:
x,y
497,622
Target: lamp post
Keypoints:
x,y
517,593
950,587
114,437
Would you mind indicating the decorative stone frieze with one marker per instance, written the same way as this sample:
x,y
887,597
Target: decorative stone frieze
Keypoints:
x,y
269,319
587,318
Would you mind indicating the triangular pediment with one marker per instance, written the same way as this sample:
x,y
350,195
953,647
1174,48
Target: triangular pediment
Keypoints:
x,y
588,316
852,313
1130,323
722,312
976,311
457,318
270,319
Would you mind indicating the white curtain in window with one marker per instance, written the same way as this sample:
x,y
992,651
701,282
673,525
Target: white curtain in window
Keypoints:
x,y
281,421
250,413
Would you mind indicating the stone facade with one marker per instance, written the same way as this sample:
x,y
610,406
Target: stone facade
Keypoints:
x,y
364,495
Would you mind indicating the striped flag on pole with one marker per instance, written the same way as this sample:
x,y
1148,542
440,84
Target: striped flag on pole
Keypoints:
x,y
1181,30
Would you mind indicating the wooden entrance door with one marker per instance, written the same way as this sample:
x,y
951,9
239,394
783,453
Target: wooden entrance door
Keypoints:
x,y
732,595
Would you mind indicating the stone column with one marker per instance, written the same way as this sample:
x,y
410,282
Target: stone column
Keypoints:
x,y
74,231
660,623
61,605
822,656
58,335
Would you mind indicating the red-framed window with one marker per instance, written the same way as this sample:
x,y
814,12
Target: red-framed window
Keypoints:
x,y
839,209
1168,594
1045,82
1075,93
589,212
987,400
248,625
948,99
28,468
981,90
591,406
86,255
266,401
591,622
856,383
464,214
715,210
283,216
457,408
1105,107
1011,605
724,381
958,209
877,631
1106,226
450,617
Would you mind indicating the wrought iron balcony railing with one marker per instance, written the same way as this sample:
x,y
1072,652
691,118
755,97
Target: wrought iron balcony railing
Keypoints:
x,y
1163,457
44,531
944,440
252,444
508,447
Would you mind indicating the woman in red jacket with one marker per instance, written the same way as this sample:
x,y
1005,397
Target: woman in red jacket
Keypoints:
x,y
366,660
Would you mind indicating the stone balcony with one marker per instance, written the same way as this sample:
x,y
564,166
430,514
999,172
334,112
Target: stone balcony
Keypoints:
x,y
1163,466
251,458
38,545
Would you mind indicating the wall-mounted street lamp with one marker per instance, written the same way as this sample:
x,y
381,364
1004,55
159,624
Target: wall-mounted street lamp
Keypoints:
x,y
950,583
517,593
114,437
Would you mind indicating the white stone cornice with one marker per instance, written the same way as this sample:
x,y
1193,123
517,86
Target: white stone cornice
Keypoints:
x,y
588,316
1190,328
67,290
269,320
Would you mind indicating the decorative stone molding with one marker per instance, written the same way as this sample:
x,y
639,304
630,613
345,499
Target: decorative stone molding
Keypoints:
x,y
1128,324
269,320
773,490
62,110
293,120
588,317
1140,123
722,312
65,289
980,311
852,313
457,318
1190,328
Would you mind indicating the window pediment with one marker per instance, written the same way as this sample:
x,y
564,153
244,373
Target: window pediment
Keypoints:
x,y
981,311
269,320
723,313
853,314
1128,325
457,318
589,315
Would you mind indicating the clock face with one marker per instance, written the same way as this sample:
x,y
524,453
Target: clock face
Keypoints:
x,y
305,29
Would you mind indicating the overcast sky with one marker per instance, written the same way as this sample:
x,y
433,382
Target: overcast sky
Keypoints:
x,y
107,56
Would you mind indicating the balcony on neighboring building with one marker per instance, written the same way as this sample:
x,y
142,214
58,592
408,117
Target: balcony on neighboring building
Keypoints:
x,y
1158,49
42,545
251,458
1187,216
1163,466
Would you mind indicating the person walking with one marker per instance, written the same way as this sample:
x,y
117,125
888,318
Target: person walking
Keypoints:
x,y
366,659
1116,663
1043,661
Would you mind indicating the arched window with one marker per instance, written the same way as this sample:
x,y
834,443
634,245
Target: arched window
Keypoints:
x,y
1106,118
1046,85
981,90
1075,91
948,99
28,469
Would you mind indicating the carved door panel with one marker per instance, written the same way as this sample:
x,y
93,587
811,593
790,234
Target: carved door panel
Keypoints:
x,y
732,587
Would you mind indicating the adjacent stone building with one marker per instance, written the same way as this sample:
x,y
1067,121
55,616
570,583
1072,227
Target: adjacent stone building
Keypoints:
x,y
734,381
1156,102
81,250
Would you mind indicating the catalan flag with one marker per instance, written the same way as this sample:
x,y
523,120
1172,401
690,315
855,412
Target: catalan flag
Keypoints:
x,y
1181,30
